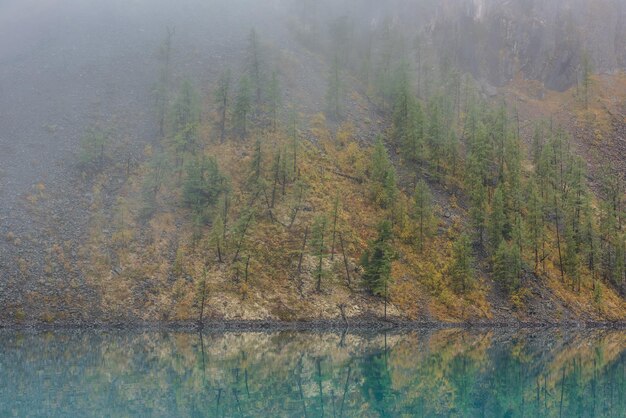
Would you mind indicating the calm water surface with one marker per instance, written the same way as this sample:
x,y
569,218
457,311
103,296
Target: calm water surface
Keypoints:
x,y
443,373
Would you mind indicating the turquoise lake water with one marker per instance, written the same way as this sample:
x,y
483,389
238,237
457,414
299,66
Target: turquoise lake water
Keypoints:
x,y
305,374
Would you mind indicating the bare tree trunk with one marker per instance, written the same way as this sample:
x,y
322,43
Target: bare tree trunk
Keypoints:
x,y
202,299
276,180
223,117
243,234
345,390
345,260
219,253
342,310
385,300
306,233
558,238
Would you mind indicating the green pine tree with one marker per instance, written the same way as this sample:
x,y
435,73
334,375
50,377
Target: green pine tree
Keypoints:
x,y
376,262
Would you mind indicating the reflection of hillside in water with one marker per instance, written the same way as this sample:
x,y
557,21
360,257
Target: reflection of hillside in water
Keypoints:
x,y
313,374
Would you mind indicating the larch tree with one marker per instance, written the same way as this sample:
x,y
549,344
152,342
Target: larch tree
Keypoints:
x,y
203,186
586,70
185,120
243,106
93,147
319,246
222,99
507,266
254,68
274,96
497,226
162,89
376,262
383,176
334,90
535,224
478,177
216,238
461,270
423,201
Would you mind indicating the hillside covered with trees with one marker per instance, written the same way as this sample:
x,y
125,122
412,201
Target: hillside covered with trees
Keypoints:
x,y
355,169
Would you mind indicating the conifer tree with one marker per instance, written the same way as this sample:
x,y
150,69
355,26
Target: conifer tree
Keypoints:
x,y
319,246
461,271
186,114
255,176
478,211
478,178
334,90
293,133
500,137
254,69
535,222
243,106
537,144
408,120
240,229
203,185
217,237
586,72
336,208
507,267
436,132
383,176
619,271
570,257
423,211
162,89
277,166
222,99
274,100
185,119
157,170
497,226
376,261
452,152
93,147
589,241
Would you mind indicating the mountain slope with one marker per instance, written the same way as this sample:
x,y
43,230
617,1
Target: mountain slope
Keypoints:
x,y
132,232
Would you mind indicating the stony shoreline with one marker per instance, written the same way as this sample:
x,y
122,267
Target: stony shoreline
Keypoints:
x,y
312,325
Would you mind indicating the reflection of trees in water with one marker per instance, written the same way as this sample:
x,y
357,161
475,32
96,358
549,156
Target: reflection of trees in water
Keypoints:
x,y
446,373
377,382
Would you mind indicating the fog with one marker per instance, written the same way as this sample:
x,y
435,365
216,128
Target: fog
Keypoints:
x,y
66,65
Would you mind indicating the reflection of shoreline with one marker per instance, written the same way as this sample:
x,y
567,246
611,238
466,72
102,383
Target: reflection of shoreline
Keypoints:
x,y
321,325
445,372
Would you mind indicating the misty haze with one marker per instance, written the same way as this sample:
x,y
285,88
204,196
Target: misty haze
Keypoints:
x,y
305,208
